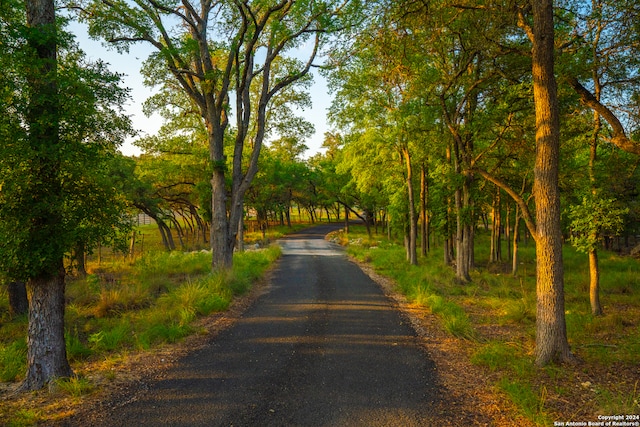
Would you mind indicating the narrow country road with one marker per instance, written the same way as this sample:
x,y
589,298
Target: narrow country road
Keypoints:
x,y
323,347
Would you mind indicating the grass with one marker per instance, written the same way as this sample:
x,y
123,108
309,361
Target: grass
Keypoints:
x,y
495,317
125,306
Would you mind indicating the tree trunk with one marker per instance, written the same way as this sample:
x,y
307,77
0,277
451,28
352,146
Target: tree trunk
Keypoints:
x,y
18,302
79,255
412,249
424,220
222,258
463,238
492,240
346,219
551,332
240,236
516,230
507,229
132,246
46,351
594,283
46,354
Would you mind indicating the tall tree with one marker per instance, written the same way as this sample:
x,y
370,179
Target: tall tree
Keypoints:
x,y
46,165
46,354
218,48
551,330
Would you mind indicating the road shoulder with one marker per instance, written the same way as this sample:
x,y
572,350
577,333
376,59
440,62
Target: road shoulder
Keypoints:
x,y
470,398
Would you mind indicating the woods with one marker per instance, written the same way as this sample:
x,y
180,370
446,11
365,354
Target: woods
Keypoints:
x,y
450,119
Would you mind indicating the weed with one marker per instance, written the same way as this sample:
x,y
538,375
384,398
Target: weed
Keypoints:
x,y
619,403
495,355
76,349
111,339
13,360
530,403
459,326
24,418
519,311
75,386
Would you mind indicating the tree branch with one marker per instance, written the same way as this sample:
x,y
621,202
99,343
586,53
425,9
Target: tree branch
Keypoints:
x,y
524,207
619,138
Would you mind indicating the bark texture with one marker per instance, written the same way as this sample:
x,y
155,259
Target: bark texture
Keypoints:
x,y
46,353
412,237
551,333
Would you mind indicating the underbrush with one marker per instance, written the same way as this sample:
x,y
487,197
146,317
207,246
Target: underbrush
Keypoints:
x,y
495,316
126,307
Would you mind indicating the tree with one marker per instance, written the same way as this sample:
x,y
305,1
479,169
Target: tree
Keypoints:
x,y
46,157
551,331
214,50
589,220
609,38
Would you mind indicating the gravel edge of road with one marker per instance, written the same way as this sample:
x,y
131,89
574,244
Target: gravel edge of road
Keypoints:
x,y
473,400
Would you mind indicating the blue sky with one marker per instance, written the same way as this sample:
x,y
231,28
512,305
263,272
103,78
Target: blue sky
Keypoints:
x,y
129,64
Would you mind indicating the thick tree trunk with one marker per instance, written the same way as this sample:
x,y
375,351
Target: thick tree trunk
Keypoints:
x,y
463,238
551,332
594,283
79,258
46,354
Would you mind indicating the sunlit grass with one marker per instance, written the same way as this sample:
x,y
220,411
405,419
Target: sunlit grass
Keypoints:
x,y
497,300
133,305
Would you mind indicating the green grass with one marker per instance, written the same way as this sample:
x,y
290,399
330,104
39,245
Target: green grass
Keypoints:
x,y
127,305
75,386
496,300
25,418
13,358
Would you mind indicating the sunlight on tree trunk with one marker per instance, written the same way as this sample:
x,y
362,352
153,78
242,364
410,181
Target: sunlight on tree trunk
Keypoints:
x,y
594,283
551,331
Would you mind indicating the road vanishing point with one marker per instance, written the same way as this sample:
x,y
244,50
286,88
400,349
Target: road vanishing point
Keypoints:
x,y
323,346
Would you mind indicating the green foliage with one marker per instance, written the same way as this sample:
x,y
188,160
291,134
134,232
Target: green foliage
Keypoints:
x,y
25,418
505,307
76,348
593,217
54,194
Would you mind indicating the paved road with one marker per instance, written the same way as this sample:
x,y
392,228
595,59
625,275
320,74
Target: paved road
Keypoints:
x,y
323,347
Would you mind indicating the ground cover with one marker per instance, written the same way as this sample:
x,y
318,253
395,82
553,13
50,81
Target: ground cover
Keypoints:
x,y
126,306
493,320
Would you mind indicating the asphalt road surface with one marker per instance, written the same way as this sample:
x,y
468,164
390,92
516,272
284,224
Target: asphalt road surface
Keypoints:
x,y
323,347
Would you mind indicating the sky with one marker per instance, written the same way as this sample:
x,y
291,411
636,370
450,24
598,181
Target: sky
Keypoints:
x,y
130,63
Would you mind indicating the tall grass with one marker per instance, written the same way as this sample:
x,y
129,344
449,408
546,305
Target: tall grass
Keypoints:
x,y
139,305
